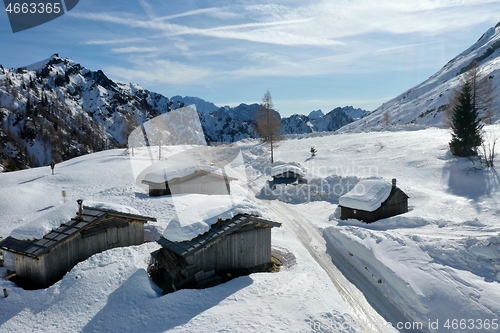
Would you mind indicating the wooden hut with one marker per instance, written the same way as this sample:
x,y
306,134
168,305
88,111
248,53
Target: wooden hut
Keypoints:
x,y
236,246
287,175
41,262
373,199
197,181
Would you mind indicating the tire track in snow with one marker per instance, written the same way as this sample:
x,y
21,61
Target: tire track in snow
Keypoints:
x,y
366,317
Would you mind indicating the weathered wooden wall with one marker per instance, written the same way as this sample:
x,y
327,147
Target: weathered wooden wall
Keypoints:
x,y
246,249
52,266
202,185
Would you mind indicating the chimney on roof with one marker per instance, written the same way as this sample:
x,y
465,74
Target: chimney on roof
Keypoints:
x,y
393,182
80,209
219,223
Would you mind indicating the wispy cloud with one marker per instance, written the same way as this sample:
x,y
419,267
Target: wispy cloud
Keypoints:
x,y
158,71
248,39
134,49
110,41
252,31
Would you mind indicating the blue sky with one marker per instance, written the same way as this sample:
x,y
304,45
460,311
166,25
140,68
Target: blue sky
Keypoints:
x,y
309,54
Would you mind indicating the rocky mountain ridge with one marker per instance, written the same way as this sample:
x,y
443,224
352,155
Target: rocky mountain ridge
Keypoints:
x,y
57,109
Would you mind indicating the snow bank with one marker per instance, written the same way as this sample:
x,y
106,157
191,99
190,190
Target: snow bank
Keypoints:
x,y
426,280
367,195
197,212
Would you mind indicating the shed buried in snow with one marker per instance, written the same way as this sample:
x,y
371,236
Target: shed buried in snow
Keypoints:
x,y
287,174
202,180
240,245
373,199
41,262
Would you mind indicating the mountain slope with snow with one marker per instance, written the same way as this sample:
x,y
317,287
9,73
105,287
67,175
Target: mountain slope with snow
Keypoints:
x,y
425,103
57,109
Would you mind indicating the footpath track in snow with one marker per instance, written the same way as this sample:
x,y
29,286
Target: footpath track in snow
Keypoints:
x,y
367,318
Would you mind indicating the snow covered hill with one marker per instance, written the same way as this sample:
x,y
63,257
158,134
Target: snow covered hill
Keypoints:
x,y
425,103
435,265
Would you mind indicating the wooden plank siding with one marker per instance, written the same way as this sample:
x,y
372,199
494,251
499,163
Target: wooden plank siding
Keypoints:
x,y
50,267
242,250
202,182
201,185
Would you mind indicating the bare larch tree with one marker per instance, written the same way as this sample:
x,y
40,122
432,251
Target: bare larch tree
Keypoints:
x,y
268,123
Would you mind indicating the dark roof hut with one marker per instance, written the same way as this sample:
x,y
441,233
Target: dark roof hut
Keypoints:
x,y
287,175
192,180
237,246
41,262
373,199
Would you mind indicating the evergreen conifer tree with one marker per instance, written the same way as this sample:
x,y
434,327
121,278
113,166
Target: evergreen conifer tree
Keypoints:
x,y
465,123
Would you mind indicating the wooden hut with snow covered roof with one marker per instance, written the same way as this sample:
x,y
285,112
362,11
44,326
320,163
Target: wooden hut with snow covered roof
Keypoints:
x,y
373,199
286,174
232,247
201,180
38,263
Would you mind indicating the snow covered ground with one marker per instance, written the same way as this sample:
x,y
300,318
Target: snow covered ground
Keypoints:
x,y
439,263
435,264
111,291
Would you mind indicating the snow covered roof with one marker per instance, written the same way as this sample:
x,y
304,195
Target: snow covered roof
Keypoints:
x,y
53,219
367,195
27,240
168,174
197,212
227,226
280,169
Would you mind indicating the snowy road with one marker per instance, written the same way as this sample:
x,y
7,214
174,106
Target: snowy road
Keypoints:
x,y
367,318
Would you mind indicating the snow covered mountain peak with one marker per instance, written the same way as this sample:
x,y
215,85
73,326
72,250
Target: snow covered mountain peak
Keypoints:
x,y
316,114
57,109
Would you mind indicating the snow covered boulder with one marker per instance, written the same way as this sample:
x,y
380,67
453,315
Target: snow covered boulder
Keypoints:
x,y
373,199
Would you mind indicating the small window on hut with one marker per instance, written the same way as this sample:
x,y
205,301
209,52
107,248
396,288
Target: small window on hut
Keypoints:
x,y
112,236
